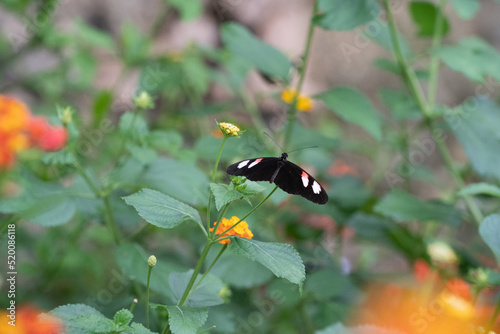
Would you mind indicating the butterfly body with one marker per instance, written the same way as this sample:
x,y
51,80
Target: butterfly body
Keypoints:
x,y
285,174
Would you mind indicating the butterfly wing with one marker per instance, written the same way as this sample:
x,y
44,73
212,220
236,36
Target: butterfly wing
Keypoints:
x,y
296,181
258,169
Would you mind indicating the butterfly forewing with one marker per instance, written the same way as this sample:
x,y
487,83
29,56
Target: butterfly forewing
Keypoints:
x,y
258,169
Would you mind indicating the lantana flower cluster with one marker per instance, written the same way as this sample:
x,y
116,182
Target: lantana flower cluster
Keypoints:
x,y
29,320
240,230
304,103
20,130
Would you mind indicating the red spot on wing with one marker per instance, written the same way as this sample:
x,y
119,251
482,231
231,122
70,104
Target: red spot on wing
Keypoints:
x,y
257,161
304,174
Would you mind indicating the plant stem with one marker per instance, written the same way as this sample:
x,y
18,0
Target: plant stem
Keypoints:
x,y
150,269
208,270
434,65
212,180
493,318
292,113
248,214
416,90
197,269
110,221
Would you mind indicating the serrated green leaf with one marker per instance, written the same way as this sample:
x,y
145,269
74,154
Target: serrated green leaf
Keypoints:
x,y
472,57
206,294
466,9
352,106
123,317
490,232
223,195
183,181
480,189
80,318
238,270
474,123
282,259
345,15
402,206
136,328
263,56
185,319
424,15
161,210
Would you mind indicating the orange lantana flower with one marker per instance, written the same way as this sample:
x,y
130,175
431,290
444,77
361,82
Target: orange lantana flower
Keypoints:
x,y
20,130
304,103
240,230
29,321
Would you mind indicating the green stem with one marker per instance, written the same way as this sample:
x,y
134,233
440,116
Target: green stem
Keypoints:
x,y
493,318
253,111
150,269
223,211
132,307
293,107
416,90
214,173
111,222
248,214
208,270
197,269
434,65
86,178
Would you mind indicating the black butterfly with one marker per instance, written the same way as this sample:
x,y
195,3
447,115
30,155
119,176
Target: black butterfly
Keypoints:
x,y
285,174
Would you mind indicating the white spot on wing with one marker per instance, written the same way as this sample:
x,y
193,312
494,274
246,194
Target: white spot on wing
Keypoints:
x,y
243,164
316,187
305,179
254,163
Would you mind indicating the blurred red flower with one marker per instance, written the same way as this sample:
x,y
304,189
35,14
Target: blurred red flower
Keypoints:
x,y
29,320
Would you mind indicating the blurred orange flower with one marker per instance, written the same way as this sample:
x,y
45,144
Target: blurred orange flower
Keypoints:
x,y
241,230
29,321
304,103
19,130
340,168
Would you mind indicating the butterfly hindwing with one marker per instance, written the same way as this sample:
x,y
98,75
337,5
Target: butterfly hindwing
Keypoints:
x,y
296,181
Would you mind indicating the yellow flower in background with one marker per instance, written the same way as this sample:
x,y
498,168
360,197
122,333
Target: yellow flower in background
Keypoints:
x,y
304,103
241,230
229,129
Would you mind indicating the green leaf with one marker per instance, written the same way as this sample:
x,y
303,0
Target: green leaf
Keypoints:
x,y
474,123
143,154
102,106
206,294
80,319
325,284
282,259
93,37
237,270
123,317
345,15
44,203
352,106
424,15
189,9
136,328
132,261
161,210
263,56
135,45
480,189
133,125
180,180
466,9
349,192
170,140
472,57
185,319
490,232
402,206
400,104
382,36
224,195
196,73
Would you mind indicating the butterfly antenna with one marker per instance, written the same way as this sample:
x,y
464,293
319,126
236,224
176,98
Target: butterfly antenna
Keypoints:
x,y
281,148
303,148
